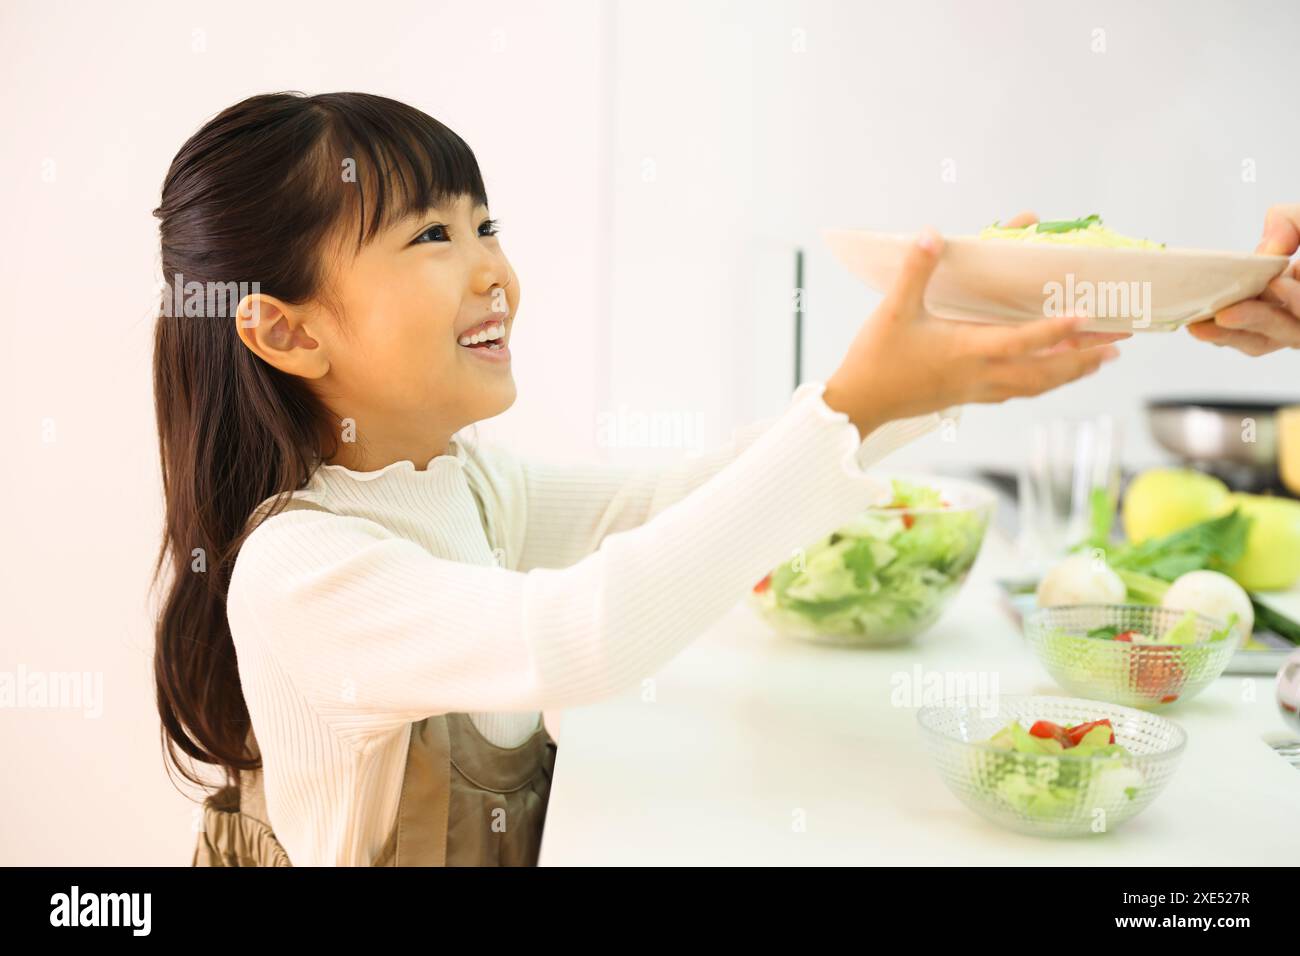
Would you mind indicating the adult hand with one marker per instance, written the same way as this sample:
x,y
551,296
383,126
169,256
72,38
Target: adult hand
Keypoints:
x,y
1272,320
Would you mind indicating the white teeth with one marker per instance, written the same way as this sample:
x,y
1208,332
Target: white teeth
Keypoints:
x,y
491,332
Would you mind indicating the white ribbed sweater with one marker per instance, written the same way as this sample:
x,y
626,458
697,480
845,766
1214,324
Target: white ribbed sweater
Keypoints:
x,y
570,585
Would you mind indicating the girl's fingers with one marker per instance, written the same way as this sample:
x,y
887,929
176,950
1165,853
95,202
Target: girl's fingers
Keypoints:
x,y
1012,341
1042,373
906,299
1087,340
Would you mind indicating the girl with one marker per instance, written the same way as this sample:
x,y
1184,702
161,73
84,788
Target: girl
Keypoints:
x,y
373,611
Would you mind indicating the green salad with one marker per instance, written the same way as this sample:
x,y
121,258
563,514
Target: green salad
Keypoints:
x,y
1183,631
882,574
1144,677
1056,788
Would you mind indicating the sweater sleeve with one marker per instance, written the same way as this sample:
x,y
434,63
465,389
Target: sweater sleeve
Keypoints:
x,y
571,508
376,632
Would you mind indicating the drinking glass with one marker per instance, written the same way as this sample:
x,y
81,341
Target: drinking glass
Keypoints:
x,y
1067,460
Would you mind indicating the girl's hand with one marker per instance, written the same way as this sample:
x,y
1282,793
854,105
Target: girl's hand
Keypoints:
x,y
905,362
1271,321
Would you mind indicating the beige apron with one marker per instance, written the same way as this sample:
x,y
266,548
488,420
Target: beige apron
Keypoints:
x,y
465,801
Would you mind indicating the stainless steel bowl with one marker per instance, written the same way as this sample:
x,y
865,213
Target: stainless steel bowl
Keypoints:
x,y
1217,431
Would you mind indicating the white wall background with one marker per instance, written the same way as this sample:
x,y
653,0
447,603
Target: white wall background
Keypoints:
x,y
107,93
653,165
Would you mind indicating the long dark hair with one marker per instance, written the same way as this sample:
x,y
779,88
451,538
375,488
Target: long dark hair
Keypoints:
x,y
259,194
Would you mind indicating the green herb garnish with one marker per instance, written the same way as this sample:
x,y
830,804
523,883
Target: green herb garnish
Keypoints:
x,y
1068,225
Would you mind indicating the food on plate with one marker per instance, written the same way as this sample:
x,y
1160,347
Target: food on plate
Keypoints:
x,y
1271,560
882,573
1080,579
1216,596
1047,789
1087,231
1161,501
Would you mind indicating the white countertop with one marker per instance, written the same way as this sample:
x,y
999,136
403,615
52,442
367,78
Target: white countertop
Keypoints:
x,y
750,748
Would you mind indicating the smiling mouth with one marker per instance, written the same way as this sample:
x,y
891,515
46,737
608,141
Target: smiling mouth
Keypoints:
x,y
492,337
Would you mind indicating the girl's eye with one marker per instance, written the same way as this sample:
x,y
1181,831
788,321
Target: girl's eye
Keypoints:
x,y
492,226
430,231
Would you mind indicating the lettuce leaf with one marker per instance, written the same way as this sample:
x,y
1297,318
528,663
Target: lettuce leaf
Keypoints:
x,y
1216,545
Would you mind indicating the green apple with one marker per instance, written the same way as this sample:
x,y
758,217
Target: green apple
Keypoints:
x,y
1164,500
1272,558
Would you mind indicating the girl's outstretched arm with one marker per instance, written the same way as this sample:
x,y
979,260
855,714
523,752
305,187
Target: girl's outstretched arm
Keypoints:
x,y
375,632
566,510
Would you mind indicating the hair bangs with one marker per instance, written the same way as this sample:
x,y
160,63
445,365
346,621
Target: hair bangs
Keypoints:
x,y
405,162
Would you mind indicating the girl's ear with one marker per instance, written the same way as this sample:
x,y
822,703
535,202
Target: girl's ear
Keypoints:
x,y
277,333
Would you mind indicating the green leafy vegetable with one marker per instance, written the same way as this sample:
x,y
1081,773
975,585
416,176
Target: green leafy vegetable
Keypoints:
x,y
1215,545
1049,788
1105,633
882,573
1102,510
1069,225
1275,621
1183,631
1223,632
1143,588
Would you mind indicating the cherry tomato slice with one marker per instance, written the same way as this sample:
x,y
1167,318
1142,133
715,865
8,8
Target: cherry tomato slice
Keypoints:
x,y
1050,731
1077,732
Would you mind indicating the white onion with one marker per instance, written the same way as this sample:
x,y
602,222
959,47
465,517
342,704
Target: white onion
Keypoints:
x,y
1215,595
1081,579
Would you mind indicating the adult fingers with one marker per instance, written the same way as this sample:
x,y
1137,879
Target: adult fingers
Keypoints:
x,y
1208,331
1281,230
1251,343
906,299
1284,291
1264,319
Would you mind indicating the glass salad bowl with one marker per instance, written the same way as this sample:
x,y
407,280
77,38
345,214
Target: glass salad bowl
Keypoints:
x,y
887,575
1132,654
1018,778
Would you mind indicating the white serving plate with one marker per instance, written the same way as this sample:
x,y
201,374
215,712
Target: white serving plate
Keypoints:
x,y
1006,281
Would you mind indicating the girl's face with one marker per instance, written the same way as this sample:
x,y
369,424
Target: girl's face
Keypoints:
x,y
386,352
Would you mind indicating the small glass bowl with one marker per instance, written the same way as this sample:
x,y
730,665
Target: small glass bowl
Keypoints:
x,y
1150,676
1049,794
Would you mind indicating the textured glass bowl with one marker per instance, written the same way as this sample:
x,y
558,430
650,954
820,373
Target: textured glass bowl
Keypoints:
x,y
1150,676
893,614
1043,794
